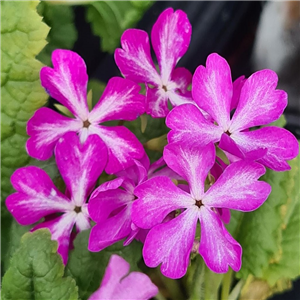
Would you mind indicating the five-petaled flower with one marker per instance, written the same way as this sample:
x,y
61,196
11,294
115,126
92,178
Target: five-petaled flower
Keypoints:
x,y
111,203
170,35
67,83
256,103
170,243
37,197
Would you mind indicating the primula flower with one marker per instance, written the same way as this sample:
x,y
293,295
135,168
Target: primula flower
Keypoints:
x,y
110,204
170,243
257,103
67,83
37,197
170,35
118,283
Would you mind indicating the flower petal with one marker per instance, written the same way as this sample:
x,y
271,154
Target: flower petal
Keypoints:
x,y
80,165
134,59
237,87
171,243
157,197
117,284
217,247
281,145
182,78
123,147
36,196
120,101
114,229
189,126
238,187
192,163
212,89
60,228
45,128
259,102
170,36
157,102
67,81
103,203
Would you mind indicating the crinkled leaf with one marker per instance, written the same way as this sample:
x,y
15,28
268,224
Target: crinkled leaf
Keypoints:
x,y
36,271
269,236
22,37
285,263
110,18
63,32
260,290
88,267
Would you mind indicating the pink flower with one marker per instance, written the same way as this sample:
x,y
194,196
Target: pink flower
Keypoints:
x,y
67,83
118,283
170,243
170,37
110,204
37,197
257,103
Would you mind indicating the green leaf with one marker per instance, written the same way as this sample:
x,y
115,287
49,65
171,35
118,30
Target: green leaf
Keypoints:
x,y
88,267
36,271
285,263
264,234
63,32
15,231
22,37
109,19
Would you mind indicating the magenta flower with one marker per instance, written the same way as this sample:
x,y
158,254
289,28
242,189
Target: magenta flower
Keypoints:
x,y
170,35
118,283
37,197
170,243
67,83
110,205
257,103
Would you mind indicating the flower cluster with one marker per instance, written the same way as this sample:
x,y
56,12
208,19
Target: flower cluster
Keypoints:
x,y
158,204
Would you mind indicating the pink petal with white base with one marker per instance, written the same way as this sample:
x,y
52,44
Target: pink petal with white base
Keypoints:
x,y
114,229
171,243
217,247
123,147
259,102
60,228
36,196
177,98
212,89
45,128
182,78
80,165
134,59
281,145
193,164
67,81
190,126
238,187
232,150
117,284
157,197
237,87
120,101
170,36
104,203
157,102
